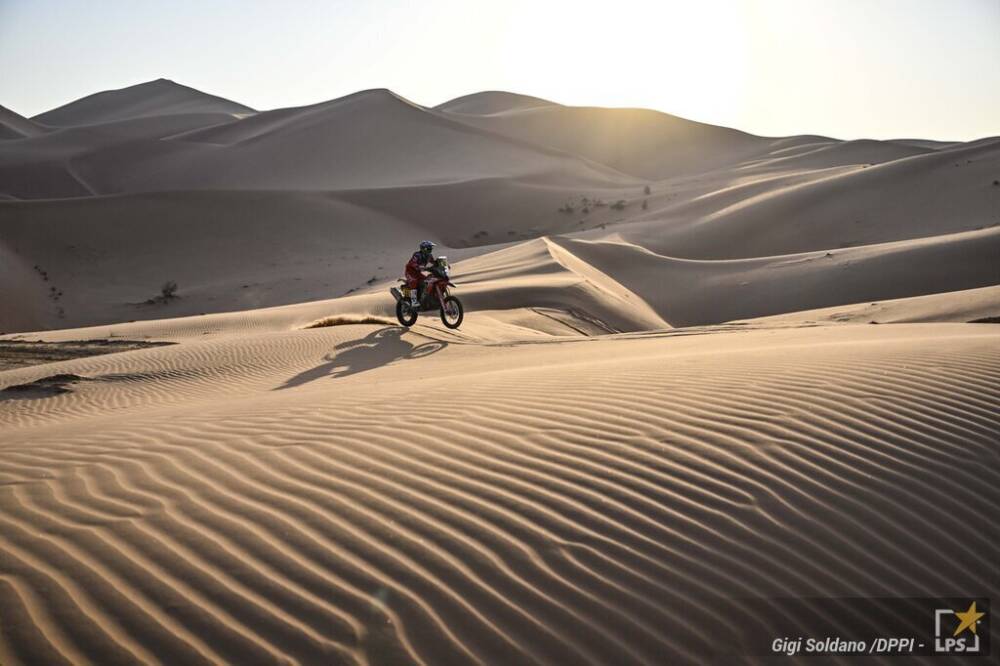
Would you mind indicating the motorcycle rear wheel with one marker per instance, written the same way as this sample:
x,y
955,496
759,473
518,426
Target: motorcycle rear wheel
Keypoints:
x,y
452,312
405,313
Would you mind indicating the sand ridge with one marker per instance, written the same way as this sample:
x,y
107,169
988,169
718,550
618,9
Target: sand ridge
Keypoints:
x,y
527,522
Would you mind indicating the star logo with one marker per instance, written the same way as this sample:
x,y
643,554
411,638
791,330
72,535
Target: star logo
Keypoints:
x,y
968,620
957,631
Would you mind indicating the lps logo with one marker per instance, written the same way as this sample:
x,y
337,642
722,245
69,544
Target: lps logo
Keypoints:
x,y
956,631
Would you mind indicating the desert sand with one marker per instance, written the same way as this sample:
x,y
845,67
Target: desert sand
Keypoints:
x,y
755,376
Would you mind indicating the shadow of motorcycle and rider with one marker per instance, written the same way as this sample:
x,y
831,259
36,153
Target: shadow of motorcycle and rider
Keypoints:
x,y
375,350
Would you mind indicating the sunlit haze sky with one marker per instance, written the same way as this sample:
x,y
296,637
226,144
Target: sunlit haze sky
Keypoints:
x,y
844,68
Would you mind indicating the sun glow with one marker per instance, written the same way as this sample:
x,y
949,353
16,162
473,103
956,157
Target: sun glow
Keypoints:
x,y
847,68
634,54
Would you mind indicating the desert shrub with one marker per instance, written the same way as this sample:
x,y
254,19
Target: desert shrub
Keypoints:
x,y
168,292
566,208
600,203
645,204
618,205
645,190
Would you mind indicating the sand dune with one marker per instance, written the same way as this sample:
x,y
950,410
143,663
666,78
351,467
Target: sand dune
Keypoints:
x,y
90,160
41,178
329,253
578,502
489,102
153,98
369,139
645,144
969,305
667,397
829,153
854,213
944,191
226,251
737,289
16,126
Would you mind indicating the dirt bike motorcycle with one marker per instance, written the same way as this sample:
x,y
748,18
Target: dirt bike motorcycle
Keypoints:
x,y
434,296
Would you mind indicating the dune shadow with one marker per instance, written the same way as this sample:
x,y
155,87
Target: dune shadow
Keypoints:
x,y
375,350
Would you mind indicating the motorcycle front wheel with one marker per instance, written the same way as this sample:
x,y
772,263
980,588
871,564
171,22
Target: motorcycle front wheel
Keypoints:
x,y
452,312
405,313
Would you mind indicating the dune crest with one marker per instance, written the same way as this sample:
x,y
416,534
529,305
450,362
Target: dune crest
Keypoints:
x,y
152,98
16,126
491,102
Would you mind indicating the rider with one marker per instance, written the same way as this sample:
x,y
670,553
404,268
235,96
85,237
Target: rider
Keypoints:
x,y
422,260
